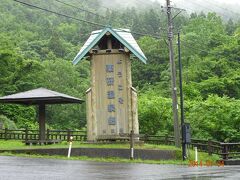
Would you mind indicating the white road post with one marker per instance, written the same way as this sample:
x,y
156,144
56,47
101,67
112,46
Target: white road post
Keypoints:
x,y
132,153
70,147
196,154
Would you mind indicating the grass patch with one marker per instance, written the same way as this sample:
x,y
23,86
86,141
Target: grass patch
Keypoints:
x,y
13,144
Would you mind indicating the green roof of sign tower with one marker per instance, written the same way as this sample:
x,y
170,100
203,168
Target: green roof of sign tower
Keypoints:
x,y
124,36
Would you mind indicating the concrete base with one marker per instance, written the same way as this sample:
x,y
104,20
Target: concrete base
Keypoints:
x,y
232,162
138,142
104,153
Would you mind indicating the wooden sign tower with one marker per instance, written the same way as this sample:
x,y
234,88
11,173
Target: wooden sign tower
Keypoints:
x,y
111,99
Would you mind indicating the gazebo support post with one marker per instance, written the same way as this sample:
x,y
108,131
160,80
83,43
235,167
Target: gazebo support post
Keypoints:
x,y
41,122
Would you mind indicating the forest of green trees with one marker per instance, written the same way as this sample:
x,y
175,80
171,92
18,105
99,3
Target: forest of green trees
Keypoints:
x,y
37,49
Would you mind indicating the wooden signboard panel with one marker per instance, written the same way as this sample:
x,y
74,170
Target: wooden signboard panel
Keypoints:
x,y
111,97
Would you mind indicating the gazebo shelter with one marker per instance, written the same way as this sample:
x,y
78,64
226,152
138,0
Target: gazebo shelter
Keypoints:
x,y
40,97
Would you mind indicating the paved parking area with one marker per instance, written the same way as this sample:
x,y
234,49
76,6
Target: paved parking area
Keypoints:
x,y
19,168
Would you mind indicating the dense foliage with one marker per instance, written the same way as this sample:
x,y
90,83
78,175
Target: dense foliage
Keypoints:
x,y
36,50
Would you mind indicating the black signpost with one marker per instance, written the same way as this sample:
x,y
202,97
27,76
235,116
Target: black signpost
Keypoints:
x,y
184,126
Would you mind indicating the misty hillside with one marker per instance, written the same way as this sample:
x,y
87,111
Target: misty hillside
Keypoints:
x,y
225,8
37,48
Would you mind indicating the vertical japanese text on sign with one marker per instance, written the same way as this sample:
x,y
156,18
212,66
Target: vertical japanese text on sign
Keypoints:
x,y
111,120
110,95
109,68
111,108
110,81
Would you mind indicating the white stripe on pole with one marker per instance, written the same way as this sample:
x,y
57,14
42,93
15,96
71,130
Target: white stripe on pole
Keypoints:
x,y
196,154
70,147
132,153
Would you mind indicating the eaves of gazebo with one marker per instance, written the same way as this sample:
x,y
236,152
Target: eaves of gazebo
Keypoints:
x,y
39,96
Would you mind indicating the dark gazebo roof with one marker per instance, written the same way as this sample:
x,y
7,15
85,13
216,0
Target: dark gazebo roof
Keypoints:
x,y
39,96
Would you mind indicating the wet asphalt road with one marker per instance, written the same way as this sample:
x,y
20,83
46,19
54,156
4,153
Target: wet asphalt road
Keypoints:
x,y
18,168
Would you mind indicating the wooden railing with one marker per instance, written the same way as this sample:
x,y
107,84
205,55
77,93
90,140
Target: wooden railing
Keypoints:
x,y
225,150
66,134
29,134
230,150
209,146
157,139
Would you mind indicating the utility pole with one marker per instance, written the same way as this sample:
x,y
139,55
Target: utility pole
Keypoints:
x,y
173,75
181,97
